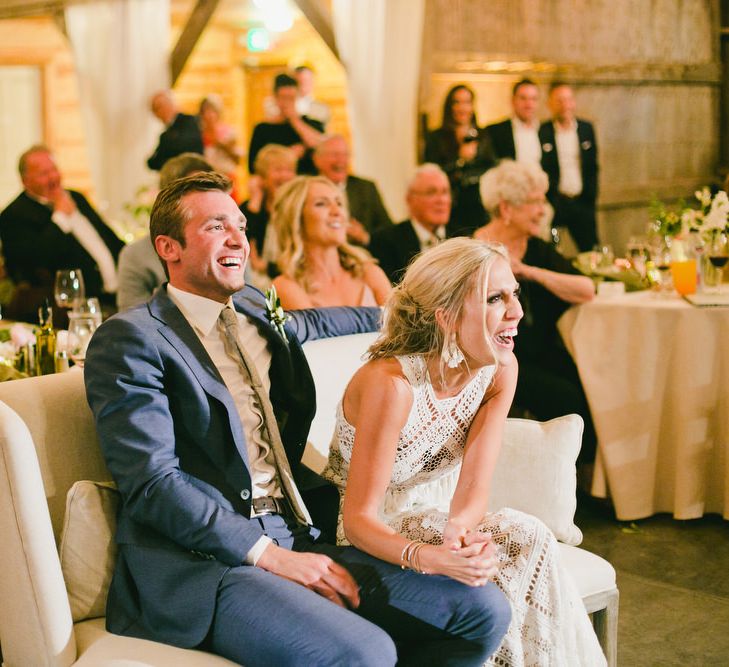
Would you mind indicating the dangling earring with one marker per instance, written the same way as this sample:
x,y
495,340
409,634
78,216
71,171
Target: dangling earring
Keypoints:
x,y
451,354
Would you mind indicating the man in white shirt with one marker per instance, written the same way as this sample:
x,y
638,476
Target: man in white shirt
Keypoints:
x,y
216,546
569,156
47,228
517,138
429,204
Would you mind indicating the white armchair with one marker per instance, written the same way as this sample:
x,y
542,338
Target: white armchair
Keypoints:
x,y
48,442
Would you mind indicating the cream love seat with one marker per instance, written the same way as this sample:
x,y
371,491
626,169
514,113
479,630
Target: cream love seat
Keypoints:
x,y
48,443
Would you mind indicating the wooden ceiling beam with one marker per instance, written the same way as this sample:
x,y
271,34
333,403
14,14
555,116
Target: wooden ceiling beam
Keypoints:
x,y
321,19
194,27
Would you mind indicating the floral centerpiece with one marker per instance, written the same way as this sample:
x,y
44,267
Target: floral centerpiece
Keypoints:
x,y
709,219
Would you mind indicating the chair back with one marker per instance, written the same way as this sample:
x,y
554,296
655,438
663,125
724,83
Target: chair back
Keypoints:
x,y
47,442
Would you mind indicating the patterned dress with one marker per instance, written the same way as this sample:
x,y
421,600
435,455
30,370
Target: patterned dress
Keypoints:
x,y
549,624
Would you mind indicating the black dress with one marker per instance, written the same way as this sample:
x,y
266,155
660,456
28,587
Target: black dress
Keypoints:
x,y
467,211
549,385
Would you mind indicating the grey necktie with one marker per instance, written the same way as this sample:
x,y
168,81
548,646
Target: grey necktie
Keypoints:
x,y
229,326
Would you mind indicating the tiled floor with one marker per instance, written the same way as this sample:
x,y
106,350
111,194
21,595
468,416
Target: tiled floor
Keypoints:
x,y
673,578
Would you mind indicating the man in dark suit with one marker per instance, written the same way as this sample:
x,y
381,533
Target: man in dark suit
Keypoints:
x,y
569,156
516,138
367,213
429,206
182,131
216,546
47,228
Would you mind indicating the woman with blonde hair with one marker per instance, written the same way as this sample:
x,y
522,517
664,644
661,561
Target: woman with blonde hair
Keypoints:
x,y
418,434
318,267
549,385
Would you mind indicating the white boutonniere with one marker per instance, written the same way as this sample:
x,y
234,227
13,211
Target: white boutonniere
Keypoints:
x,y
277,317
586,145
547,148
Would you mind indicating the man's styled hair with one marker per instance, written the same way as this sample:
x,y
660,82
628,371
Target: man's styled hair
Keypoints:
x,y
168,217
23,159
284,81
519,84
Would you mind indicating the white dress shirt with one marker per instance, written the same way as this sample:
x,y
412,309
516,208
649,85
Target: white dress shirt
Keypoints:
x,y
202,314
526,141
568,155
427,238
85,233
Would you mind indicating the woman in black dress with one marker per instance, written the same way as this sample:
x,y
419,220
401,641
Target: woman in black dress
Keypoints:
x,y
549,385
464,152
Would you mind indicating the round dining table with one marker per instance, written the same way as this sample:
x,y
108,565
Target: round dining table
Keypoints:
x,y
656,374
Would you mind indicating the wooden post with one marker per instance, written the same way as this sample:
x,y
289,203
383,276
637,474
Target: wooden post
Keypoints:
x,y
194,27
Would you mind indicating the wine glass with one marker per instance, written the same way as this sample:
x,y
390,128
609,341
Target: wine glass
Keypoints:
x,y
80,330
717,252
88,306
69,287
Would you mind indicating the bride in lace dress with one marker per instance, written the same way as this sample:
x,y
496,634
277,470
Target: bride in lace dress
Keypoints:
x,y
418,433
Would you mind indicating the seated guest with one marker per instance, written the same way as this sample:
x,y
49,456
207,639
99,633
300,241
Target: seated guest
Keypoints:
x,y
140,271
429,205
182,131
367,213
318,266
464,152
202,407
549,386
417,437
275,165
47,228
219,139
289,128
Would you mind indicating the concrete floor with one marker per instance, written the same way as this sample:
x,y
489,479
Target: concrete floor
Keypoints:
x,y
673,578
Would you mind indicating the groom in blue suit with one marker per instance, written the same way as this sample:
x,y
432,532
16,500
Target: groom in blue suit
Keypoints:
x,y
215,550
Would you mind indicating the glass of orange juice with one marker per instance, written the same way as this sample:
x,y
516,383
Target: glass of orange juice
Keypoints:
x,y
684,276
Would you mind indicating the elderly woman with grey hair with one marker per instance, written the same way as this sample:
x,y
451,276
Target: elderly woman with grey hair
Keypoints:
x,y
549,385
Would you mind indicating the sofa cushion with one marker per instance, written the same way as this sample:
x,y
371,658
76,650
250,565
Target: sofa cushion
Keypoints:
x,y
98,647
88,551
536,472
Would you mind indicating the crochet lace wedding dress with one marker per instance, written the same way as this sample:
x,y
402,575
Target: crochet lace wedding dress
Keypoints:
x,y
549,624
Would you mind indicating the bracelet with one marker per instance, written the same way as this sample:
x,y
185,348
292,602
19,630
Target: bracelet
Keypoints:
x,y
415,558
406,554
410,556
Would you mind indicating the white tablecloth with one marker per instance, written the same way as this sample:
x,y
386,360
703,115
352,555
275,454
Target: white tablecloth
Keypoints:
x,y
656,374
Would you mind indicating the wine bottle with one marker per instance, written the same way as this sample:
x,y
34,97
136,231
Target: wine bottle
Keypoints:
x,y
45,341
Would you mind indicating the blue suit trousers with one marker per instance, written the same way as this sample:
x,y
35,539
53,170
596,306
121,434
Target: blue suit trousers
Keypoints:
x,y
404,617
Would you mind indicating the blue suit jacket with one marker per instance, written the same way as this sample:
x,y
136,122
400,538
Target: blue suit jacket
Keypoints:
x,y
173,441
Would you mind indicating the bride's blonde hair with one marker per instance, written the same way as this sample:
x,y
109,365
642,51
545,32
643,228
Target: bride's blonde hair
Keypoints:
x,y
440,279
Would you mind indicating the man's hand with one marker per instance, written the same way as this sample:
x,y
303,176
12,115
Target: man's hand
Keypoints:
x,y
357,232
63,202
316,572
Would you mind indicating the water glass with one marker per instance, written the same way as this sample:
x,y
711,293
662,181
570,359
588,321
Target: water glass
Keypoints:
x,y
80,330
69,287
88,306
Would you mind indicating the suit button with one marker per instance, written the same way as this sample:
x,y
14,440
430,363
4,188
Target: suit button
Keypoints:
x,y
245,494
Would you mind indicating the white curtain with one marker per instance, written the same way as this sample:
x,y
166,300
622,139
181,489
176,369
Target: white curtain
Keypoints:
x,y
380,44
120,51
